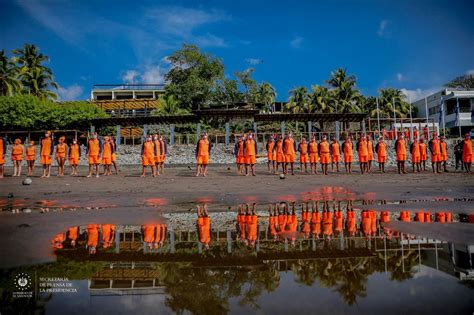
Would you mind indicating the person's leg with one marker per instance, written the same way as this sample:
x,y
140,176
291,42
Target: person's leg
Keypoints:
x,y
48,174
90,170
273,166
44,170
2,170
14,168
403,167
253,169
143,171
97,170
337,166
198,170
433,166
246,169
444,164
204,170
292,168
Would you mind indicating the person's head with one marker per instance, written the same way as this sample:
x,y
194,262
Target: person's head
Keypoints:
x,y
17,141
333,139
155,136
107,139
422,140
363,138
381,139
250,136
32,143
442,138
402,136
313,138
325,138
369,138
162,137
94,135
74,141
148,138
280,136
47,134
205,136
61,139
466,136
303,139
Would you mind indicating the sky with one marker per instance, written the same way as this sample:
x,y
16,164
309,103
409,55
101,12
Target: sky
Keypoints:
x,y
416,46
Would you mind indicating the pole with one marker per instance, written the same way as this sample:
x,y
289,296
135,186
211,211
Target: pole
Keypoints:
x,y
394,118
378,113
411,120
458,114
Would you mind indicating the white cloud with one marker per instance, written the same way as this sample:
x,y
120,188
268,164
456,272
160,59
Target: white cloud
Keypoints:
x,y
296,42
400,77
150,74
209,40
70,93
382,31
417,94
153,75
130,76
470,72
254,61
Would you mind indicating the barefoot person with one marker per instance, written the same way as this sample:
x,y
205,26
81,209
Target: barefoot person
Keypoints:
x,y
31,157
363,154
148,154
3,150
107,151
18,150
74,156
444,152
61,152
423,154
313,155
324,157
203,150
415,155
289,147
250,151
279,154
370,155
347,148
94,151
335,154
435,150
204,226
401,153
114,154
271,155
239,154
381,149
467,153
47,149
304,157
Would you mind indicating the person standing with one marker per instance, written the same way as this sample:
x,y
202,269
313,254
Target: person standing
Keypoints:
x,y
381,149
239,155
415,155
74,156
435,150
335,149
163,152
114,154
46,150
289,147
18,150
313,155
467,153
271,155
304,157
93,152
31,157
250,151
458,155
3,149
348,150
107,151
324,154
279,153
363,154
401,153
203,150
148,154
61,153
423,154
444,152
370,155
158,155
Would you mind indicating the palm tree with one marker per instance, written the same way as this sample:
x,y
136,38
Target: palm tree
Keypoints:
x,y
267,94
322,100
347,95
299,101
169,106
9,83
37,79
392,100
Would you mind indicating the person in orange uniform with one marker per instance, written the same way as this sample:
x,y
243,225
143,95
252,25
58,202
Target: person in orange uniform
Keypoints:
x,y
163,152
289,147
425,132
61,155
58,240
148,232
370,155
435,150
292,224
327,220
401,152
315,220
415,133
47,149
240,156
415,155
324,154
3,150
304,157
405,216
160,235
363,154
72,234
271,155
107,151
148,154
347,149
313,155
381,149
30,157
335,149
365,223
339,221
204,226
282,217
203,150
305,220
252,227
272,221
92,237
250,151
18,150
351,220
114,154
444,152
158,155
108,235
279,153
423,154
241,224
74,156
93,152
467,153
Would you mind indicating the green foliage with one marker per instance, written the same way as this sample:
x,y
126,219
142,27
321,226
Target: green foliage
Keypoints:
x,y
169,106
9,82
464,82
31,112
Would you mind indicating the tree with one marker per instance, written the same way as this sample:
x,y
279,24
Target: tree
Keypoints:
x,y
463,82
36,78
299,101
227,93
322,100
169,106
391,100
250,86
346,93
267,94
193,77
9,83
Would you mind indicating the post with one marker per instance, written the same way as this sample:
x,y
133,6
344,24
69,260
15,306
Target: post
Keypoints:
x,y
145,130
363,125
394,118
255,132
458,118
282,128
338,132
117,240
172,241
171,133
198,131
227,133
117,135
378,114
310,129
92,129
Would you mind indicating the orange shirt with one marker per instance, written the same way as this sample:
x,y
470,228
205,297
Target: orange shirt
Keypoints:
x,y
240,151
303,148
149,149
1,148
158,147
94,147
279,147
74,151
46,145
313,147
370,149
250,147
72,233
336,150
92,235
204,227
401,146
252,224
363,150
148,233
31,151
466,148
443,149
351,222
203,147
347,147
435,147
324,147
339,221
61,149
415,152
17,149
107,150
289,145
382,149
385,216
422,147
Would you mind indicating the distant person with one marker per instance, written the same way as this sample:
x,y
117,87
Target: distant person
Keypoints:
x,y
289,147
304,156
163,152
458,155
239,155
381,149
425,132
279,153
347,148
114,154
92,238
94,152
363,154
313,155
148,154
250,151
423,154
435,150
401,153
415,155
203,150
3,150
74,156
370,155
444,152
271,155
324,154
158,155
204,226
31,157
18,150
415,133
107,151
46,151
61,154
335,149
467,153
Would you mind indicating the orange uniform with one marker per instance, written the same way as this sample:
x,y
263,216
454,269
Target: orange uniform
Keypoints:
x,y
347,148
280,154
316,223
46,151
239,152
305,225
351,222
74,154
108,234
420,216
405,216
313,152
363,151
336,152
72,233
204,228
3,147
158,151
148,233
282,219
366,223
148,153
93,148
17,152
327,223
423,151
61,151
250,151
415,152
400,146
440,217
271,155
107,150
58,240
252,227
31,153
162,151
202,151
384,217
339,221
92,235
324,157
272,226
292,223
303,149
242,223
467,151
370,150
381,152
443,151
435,149
289,149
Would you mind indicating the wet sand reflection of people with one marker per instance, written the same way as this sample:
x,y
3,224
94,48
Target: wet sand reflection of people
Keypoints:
x,y
351,219
108,235
72,234
305,220
204,225
315,220
327,221
273,221
92,238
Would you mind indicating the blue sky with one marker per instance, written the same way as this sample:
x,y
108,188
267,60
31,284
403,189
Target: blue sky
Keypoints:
x,y
413,45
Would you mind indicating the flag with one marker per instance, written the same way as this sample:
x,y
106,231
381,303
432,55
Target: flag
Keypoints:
x,y
457,122
441,114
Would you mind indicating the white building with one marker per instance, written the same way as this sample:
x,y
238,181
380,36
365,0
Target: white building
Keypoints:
x,y
430,107
102,92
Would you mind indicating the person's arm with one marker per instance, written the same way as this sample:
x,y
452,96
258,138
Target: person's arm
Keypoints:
x,y
256,147
411,148
197,148
79,150
165,145
294,145
244,147
377,149
143,149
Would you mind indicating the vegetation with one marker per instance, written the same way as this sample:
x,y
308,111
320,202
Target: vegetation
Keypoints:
x,y
465,82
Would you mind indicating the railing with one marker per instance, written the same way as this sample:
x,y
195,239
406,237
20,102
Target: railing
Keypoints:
x,y
128,87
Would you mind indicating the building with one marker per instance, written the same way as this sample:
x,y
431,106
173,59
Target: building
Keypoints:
x,y
430,108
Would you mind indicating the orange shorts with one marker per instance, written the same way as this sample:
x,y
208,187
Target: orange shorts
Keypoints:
x,y
304,158
324,158
107,160
30,157
60,155
203,159
271,156
148,160
415,159
347,158
2,160
163,158
74,161
382,159
250,159
444,158
114,157
335,158
401,157
240,159
363,158
94,159
289,158
435,158
46,159
467,158
280,158
17,157
423,157
158,159
370,157
313,158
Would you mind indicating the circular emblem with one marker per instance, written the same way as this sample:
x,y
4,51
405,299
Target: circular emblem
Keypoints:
x,y
22,281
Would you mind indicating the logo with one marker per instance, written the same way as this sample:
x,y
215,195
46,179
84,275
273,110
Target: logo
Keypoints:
x,y
22,282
